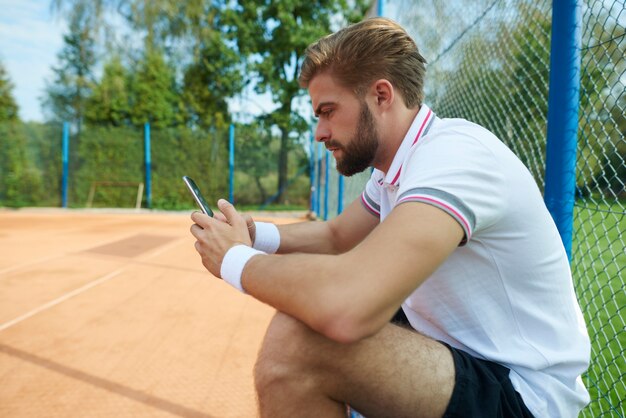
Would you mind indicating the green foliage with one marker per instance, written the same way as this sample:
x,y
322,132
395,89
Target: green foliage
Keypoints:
x,y
255,159
602,147
501,82
273,36
598,262
201,155
67,96
20,181
153,89
212,78
213,49
109,103
8,107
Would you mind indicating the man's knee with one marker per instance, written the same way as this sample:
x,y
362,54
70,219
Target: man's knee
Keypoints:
x,y
283,352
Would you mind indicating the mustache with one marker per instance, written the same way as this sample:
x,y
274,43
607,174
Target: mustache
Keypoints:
x,y
333,144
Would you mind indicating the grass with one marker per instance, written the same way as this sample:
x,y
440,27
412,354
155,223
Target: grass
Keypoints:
x,y
599,269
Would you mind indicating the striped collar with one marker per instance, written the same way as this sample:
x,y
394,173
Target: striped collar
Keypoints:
x,y
419,128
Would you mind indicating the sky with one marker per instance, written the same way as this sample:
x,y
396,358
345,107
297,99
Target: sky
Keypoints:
x,y
30,39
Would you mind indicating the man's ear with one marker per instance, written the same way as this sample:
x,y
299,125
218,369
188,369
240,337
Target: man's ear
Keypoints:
x,y
384,93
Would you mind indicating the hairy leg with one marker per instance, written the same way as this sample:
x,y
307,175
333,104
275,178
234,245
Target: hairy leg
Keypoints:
x,y
395,373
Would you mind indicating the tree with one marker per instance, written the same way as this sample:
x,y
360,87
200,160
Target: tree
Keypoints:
x,y
68,94
154,95
255,154
109,103
499,80
273,35
209,81
8,107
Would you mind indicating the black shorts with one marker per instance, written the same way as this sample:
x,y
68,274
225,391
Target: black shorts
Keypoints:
x,y
482,389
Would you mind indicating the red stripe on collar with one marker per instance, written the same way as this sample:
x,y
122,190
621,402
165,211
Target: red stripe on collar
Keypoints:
x,y
417,137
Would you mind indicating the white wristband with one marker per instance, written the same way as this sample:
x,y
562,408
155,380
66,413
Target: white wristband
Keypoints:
x,y
234,262
267,237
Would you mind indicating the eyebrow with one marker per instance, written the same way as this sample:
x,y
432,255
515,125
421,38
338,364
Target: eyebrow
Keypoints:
x,y
319,107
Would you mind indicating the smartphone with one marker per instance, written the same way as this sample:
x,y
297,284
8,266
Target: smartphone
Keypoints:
x,y
200,200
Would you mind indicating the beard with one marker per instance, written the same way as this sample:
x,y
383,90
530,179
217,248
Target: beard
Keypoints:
x,y
361,150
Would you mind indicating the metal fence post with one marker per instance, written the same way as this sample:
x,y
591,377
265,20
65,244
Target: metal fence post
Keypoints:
x,y
65,158
231,164
318,190
563,103
340,196
148,163
326,182
312,172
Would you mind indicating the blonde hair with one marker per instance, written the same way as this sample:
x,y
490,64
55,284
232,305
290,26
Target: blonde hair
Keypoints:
x,y
372,49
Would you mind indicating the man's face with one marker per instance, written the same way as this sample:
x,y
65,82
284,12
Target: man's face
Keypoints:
x,y
361,149
354,147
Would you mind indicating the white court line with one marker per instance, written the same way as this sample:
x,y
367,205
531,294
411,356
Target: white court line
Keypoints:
x,y
84,288
61,299
58,256
30,263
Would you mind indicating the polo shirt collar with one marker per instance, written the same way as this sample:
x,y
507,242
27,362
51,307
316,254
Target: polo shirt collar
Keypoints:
x,y
420,126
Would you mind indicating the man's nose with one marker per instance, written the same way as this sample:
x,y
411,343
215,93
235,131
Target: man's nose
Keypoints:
x,y
322,132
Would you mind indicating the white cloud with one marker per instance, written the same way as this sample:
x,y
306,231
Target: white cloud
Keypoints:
x,y
30,38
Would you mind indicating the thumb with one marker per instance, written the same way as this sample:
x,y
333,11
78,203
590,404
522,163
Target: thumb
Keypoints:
x,y
229,211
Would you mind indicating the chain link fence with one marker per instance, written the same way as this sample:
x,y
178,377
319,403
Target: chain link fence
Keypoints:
x,y
489,62
599,243
107,167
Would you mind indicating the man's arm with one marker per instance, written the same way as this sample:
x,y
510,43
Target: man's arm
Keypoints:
x,y
352,295
332,237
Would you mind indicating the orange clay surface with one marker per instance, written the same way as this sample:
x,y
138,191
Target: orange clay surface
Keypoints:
x,y
111,314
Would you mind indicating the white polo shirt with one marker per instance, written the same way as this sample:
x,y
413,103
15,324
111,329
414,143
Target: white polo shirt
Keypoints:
x,y
506,293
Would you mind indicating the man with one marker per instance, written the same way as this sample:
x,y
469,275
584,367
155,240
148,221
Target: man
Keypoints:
x,y
451,228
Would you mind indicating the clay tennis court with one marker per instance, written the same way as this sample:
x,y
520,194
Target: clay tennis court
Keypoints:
x,y
112,314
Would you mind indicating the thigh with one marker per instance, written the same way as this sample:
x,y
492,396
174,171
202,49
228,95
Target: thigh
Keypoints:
x,y
395,373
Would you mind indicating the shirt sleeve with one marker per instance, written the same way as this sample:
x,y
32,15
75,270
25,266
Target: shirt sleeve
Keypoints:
x,y
370,198
458,174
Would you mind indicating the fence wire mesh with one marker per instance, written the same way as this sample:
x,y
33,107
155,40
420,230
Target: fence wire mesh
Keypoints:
x,y
599,245
489,62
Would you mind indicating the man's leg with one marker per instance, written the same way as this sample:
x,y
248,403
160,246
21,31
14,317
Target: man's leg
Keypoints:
x,y
395,373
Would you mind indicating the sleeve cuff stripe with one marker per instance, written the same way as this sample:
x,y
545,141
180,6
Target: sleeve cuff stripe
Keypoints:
x,y
375,210
447,208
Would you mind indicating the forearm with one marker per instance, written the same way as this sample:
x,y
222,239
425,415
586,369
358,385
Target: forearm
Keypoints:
x,y
336,236
352,295
340,296
306,237
313,288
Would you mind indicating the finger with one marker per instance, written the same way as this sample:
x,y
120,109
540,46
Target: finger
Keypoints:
x,y
201,219
249,221
229,211
220,217
196,231
251,226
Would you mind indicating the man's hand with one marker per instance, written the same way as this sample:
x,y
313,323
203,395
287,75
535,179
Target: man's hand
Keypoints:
x,y
214,237
249,223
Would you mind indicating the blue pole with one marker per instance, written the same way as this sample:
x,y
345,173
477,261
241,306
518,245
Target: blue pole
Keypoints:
x,y
231,164
318,190
66,158
380,10
326,182
340,196
312,171
563,103
148,163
